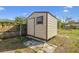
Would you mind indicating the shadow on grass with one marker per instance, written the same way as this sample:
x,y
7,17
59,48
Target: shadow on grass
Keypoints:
x,y
13,44
10,44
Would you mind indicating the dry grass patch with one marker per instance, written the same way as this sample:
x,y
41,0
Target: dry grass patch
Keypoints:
x,y
67,41
24,50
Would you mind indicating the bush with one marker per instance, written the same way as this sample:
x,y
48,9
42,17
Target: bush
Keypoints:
x,y
21,38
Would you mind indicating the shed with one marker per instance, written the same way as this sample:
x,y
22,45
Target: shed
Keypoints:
x,y
42,25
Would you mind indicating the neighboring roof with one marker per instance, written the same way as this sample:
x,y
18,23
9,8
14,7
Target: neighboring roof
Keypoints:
x,y
43,12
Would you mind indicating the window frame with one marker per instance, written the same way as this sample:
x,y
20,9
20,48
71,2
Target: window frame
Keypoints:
x,y
38,21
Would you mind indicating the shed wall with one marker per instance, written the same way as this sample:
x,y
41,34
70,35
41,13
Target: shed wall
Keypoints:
x,y
30,26
40,29
51,26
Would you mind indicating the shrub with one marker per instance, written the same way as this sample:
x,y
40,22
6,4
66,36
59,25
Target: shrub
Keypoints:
x,y
21,38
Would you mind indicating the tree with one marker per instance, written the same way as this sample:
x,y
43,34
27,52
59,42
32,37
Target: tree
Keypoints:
x,y
19,21
60,24
70,22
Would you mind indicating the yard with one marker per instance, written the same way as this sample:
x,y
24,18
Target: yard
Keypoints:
x,y
67,41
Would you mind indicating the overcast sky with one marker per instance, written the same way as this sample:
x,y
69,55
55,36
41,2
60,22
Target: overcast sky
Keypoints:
x,y
60,12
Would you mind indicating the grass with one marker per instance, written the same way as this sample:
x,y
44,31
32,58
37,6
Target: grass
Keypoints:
x,y
14,44
71,31
73,34
24,50
10,44
21,38
67,41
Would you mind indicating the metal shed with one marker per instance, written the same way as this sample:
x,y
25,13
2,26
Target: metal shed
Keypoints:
x,y
42,25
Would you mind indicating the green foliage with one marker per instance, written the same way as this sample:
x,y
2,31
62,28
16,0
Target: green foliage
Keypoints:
x,y
21,38
20,20
71,24
60,24
18,27
72,31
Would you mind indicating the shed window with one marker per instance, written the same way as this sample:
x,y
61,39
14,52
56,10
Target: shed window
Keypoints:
x,y
39,20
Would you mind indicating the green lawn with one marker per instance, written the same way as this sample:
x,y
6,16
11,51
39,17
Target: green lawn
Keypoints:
x,y
72,34
67,41
72,31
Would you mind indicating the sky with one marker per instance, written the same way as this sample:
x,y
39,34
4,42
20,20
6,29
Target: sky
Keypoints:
x,y
61,12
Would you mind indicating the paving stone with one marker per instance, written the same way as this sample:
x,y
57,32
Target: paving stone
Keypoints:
x,y
40,47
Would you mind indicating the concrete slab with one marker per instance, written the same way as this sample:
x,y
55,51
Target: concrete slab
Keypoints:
x,y
40,47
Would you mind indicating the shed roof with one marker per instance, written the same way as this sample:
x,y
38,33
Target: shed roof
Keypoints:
x,y
43,12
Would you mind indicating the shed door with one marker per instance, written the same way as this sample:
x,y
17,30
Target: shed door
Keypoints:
x,y
30,27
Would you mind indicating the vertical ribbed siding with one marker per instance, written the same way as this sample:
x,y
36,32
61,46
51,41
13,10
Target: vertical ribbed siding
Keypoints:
x,y
52,26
